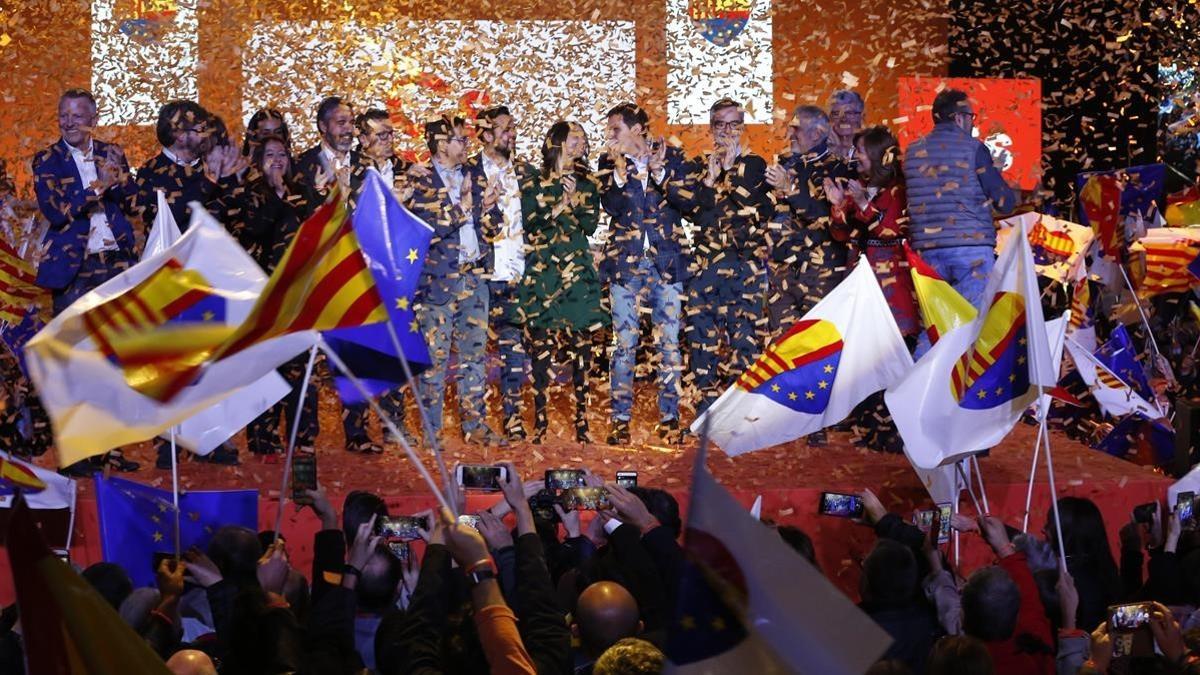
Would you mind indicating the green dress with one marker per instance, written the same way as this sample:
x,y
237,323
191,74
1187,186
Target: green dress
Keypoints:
x,y
560,289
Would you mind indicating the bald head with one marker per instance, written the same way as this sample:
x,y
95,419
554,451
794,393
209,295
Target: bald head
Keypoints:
x,y
604,614
191,662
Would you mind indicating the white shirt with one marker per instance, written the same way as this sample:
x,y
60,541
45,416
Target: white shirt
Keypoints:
x,y
510,244
468,242
175,158
334,160
100,235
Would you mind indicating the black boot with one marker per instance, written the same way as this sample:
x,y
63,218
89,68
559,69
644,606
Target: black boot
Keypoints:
x,y
619,434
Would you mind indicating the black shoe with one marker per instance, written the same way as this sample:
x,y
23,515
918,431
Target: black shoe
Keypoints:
x,y
668,431
818,439
514,429
619,435
81,469
581,433
364,446
225,454
117,462
164,457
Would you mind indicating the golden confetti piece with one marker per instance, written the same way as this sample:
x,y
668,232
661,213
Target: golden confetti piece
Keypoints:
x,y
783,513
4,40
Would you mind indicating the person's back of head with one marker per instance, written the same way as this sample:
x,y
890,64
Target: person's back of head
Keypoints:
x,y
662,505
959,655
191,662
890,574
605,613
630,656
235,551
800,542
376,588
111,581
990,604
357,509
888,667
948,103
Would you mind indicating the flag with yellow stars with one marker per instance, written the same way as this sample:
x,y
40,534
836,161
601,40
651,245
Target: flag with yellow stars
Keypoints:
x,y
1113,381
100,395
969,390
394,243
137,521
748,603
811,377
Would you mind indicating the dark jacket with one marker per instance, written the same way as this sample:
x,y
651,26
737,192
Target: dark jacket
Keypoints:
x,y
183,185
263,222
642,211
63,200
913,627
305,168
560,289
800,239
731,217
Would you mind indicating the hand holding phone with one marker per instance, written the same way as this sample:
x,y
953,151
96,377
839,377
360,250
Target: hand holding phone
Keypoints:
x,y
627,479
304,477
480,477
586,499
400,528
840,505
564,479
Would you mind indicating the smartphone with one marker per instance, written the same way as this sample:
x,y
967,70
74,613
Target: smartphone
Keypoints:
x,y
1129,630
840,505
400,549
401,528
480,477
1184,505
1144,513
946,513
304,477
585,499
627,479
1128,617
564,479
542,505
473,521
160,556
923,519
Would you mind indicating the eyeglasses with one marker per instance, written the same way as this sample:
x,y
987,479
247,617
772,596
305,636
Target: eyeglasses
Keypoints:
x,y
727,126
839,114
458,139
970,115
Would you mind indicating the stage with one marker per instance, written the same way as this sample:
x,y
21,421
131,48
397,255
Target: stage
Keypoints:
x,y
789,478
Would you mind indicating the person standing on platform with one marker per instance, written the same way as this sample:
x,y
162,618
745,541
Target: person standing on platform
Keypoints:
x,y
452,301
85,192
846,112
559,295
726,197
263,123
954,188
807,259
327,163
271,209
496,164
640,189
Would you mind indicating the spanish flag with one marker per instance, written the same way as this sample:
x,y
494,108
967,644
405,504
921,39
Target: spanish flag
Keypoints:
x,y
322,283
67,628
942,308
18,286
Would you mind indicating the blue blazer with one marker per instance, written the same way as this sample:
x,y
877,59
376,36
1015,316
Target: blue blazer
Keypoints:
x,y
640,212
63,200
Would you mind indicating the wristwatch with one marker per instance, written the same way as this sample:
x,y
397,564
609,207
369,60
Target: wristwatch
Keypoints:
x,y
480,572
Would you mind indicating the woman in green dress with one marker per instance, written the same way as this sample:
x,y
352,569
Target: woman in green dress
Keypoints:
x,y
559,295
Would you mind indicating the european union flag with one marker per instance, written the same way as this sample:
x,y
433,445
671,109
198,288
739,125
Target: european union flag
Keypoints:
x,y
1119,356
704,626
1144,187
137,521
1136,437
394,243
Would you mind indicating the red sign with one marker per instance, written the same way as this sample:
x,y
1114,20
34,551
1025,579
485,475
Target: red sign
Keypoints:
x,y
1008,119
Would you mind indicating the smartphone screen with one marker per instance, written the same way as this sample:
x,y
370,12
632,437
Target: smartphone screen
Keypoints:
x,y
564,479
627,479
923,519
1144,513
475,477
304,477
401,528
946,512
1184,505
399,549
840,505
1128,617
585,499
472,521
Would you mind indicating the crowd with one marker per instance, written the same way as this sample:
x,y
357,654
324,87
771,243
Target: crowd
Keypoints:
x,y
530,589
720,250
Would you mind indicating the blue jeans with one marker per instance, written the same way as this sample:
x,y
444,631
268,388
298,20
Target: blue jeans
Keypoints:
x,y
966,268
645,287
461,326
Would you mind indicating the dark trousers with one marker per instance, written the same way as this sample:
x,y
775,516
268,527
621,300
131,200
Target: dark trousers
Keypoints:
x,y
354,415
510,344
725,308
263,435
562,346
94,269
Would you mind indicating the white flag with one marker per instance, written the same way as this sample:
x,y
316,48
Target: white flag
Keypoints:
x,y
843,350
205,277
1115,397
165,231
969,390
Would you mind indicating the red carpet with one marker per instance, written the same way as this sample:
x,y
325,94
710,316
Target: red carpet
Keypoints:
x,y
789,477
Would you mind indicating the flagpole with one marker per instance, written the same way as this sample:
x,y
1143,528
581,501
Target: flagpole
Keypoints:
x,y
175,489
391,426
426,426
982,490
1145,322
954,511
291,448
1037,449
966,481
1045,435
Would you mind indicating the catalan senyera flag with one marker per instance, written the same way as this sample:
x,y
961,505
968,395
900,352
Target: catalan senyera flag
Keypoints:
x,y
844,349
1115,396
205,283
18,286
1169,251
1057,245
942,308
1082,327
1100,198
321,283
969,390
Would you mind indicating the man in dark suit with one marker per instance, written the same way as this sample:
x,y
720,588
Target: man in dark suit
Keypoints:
x,y
496,164
726,197
640,188
452,300
84,191
328,162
